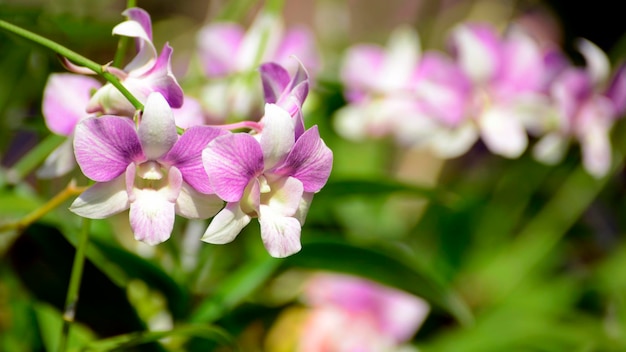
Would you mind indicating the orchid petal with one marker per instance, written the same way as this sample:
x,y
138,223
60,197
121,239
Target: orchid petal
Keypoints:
x,y
275,80
551,148
310,161
190,114
226,225
192,204
278,135
404,50
151,216
102,199
105,146
64,100
231,161
454,142
157,130
303,207
161,79
359,59
186,155
59,162
502,132
142,17
139,27
478,51
598,65
280,234
285,196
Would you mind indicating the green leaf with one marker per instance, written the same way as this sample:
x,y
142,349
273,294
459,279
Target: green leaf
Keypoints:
x,y
235,288
50,322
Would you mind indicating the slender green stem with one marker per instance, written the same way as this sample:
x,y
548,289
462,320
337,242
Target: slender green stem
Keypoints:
x,y
138,338
75,58
71,299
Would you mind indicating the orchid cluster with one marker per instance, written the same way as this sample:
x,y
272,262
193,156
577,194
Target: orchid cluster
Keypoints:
x,y
499,87
140,163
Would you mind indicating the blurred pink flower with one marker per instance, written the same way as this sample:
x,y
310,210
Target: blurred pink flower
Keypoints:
x,y
586,107
353,314
64,100
511,74
230,55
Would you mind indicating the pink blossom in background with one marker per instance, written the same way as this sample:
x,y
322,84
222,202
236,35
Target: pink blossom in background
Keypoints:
x,y
510,74
587,105
230,56
149,169
65,99
353,314
378,85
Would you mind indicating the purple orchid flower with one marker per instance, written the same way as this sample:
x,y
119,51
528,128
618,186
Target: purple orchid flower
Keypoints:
x,y
148,169
272,176
146,73
64,99
587,109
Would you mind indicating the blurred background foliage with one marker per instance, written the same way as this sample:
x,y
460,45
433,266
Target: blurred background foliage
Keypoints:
x,y
512,255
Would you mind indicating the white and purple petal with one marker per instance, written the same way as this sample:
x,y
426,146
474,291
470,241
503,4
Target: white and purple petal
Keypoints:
x,y
226,225
152,216
105,146
231,161
192,204
186,155
157,129
278,135
310,161
102,199
280,234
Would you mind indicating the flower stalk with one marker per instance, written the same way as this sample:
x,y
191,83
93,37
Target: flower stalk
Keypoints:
x,y
71,299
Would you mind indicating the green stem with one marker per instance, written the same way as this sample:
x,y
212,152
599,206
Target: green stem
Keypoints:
x,y
75,58
71,299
